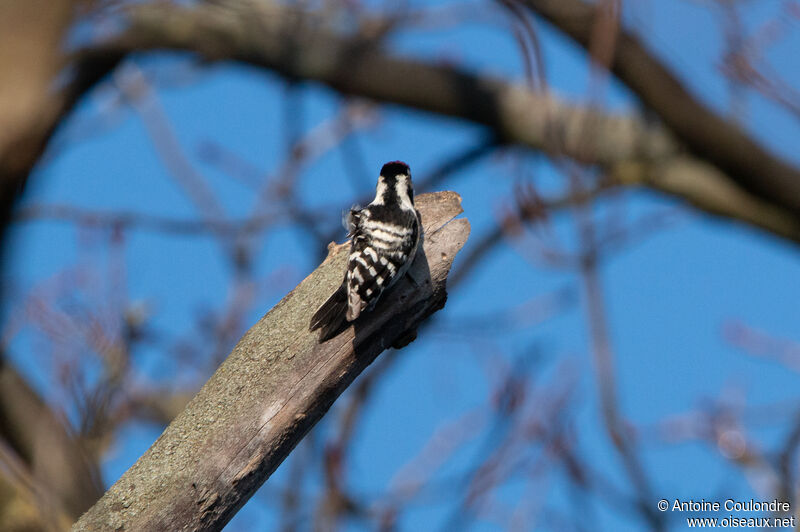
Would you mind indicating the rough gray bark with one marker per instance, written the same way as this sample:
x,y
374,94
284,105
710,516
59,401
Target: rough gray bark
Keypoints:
x,y
274,386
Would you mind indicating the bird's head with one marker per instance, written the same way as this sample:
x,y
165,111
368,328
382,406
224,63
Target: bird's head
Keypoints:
x,y
395,186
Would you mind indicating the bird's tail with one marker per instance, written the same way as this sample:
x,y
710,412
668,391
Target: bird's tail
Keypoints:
x,y
331,315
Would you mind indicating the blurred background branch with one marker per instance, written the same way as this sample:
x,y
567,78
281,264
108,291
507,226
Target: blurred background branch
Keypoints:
x,y
169,170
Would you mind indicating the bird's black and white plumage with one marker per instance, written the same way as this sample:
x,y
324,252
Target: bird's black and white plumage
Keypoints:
x,y
384,239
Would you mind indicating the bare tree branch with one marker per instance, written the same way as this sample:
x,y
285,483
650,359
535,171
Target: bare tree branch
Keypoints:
x,y
274,386
629,148
707,134
298,45
52,455
151,222
31,106
30,59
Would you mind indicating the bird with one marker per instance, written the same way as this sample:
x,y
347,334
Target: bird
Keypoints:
x,y
384,237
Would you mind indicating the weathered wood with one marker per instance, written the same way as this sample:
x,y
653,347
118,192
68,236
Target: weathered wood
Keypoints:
x,y
274,386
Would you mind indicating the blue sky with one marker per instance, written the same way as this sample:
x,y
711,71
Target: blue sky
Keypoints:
x,y
668,296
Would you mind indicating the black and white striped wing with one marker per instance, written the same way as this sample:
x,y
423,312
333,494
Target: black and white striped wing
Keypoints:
x,y
383,247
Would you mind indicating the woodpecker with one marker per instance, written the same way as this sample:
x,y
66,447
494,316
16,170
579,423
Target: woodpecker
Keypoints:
x,y
384,237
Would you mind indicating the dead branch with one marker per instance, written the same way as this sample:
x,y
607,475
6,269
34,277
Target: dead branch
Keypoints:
x,y
274,386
